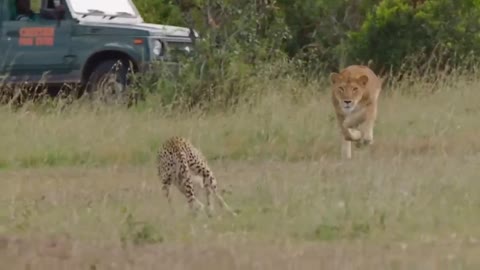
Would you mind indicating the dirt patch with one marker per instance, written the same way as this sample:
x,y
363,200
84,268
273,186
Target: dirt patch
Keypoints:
x,y
60,252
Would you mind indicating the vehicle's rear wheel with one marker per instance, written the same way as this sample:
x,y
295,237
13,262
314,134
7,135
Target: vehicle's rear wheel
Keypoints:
x,y
108,82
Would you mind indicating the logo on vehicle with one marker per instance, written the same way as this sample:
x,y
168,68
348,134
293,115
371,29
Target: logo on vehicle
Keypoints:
x,y
37,36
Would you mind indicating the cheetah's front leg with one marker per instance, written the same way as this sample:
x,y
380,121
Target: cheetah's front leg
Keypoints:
x,y
166,178
185,186
167,182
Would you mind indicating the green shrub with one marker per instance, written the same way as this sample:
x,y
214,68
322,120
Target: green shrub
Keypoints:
x,y
159,11
442,31
225,57
320,35
319,28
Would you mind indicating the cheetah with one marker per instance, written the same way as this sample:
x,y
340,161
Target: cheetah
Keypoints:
x,y
177,161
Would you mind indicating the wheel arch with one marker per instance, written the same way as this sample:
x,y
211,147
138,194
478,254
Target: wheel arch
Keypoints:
x,y
104,55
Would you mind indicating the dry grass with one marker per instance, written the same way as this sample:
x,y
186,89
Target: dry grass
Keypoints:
x,y
79,189
394,214
291,122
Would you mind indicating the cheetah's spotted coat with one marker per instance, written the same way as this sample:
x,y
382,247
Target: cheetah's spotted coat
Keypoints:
x,y
178,160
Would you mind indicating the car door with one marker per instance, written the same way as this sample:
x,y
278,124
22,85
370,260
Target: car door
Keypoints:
x,y
35,47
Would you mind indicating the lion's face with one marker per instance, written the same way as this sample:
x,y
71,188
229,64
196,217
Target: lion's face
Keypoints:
x,y
348,91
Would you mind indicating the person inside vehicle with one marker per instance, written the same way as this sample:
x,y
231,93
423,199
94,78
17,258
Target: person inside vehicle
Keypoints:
x,y
51,12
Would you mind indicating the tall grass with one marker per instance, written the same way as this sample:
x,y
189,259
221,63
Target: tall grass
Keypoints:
x,y
282,118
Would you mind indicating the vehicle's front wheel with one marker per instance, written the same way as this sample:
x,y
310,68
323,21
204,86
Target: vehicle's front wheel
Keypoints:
x,y
108,82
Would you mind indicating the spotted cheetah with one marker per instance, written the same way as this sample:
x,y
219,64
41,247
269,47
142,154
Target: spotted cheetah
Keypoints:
x,y
177,161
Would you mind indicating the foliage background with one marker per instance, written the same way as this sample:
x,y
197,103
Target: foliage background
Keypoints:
x,y
312,37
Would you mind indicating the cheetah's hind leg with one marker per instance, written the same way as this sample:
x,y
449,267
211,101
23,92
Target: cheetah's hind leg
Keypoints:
x,y
221,201
211,186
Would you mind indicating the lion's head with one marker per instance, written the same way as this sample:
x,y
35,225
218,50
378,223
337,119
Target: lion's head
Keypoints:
x,y
347,90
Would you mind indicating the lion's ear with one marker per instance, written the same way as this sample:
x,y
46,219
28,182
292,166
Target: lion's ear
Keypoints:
x,y
363,80
335,77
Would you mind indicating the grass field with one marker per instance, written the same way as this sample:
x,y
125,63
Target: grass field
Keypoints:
x,y
79,190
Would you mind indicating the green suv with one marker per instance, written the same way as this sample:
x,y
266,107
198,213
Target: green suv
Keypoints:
x,y
81,41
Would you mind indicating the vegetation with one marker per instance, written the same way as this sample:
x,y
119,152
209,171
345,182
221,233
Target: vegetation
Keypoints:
x,y
78,180
315,37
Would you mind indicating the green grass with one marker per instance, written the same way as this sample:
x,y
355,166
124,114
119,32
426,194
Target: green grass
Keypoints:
x,y
277,127
79,189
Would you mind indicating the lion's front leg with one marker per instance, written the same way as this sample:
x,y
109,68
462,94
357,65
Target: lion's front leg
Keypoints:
x,y
349,134
366,139
367,131
346,149
354,119
349,131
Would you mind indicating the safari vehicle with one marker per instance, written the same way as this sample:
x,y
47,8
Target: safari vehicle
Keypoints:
x,y
80,41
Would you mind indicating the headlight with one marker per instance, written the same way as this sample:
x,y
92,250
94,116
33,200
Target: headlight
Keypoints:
x,y
157,47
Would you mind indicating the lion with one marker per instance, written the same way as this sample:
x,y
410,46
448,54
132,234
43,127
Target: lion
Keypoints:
x,y
355,92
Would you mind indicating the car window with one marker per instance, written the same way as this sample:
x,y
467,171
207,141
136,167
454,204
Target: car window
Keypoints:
x,y
35,5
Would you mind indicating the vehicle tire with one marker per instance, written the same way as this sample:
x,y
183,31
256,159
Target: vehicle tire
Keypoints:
x,y
108,82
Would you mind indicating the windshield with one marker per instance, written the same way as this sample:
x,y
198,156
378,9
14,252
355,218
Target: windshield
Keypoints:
x,y
107,7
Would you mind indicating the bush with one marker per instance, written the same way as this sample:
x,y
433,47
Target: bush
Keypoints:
x,y
320,35
442,31
319,29
247,35
159,11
